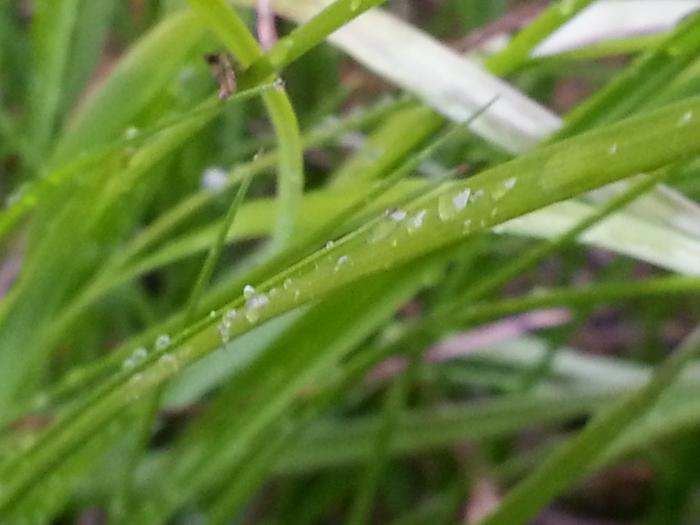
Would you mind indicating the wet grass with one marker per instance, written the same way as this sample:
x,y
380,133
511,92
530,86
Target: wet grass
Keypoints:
x,y
392,312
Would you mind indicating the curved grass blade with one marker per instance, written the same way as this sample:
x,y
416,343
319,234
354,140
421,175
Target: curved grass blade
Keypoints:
x,y
577,455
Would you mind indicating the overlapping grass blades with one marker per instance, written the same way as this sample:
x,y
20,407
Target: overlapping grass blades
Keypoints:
x,y
312,313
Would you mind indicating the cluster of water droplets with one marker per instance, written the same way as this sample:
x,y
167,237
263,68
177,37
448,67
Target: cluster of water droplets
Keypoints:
x,y
137,357
254,302
227,319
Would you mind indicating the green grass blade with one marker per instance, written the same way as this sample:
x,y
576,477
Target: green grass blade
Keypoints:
x,y
135,81
54,24
577,455
224,22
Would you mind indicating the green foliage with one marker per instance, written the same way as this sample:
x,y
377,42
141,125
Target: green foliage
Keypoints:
x,y
185,339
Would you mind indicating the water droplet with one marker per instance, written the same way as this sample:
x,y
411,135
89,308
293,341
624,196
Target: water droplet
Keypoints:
x,y
287,284
462,199
415,223
612,150
467,224
169,362
225,325
248,291
450,205
252,315
135,359
510,183
686,118
382,230
274,292
253,305
214,178
329,245
162,342
342,260
224,331
279,83
397,214
131,132
212,314
477,195
134,385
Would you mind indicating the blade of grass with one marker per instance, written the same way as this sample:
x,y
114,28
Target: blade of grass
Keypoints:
x,y
139,76
231,30
306,36
394,402
575,457
215,253
52,31
639,82
519,49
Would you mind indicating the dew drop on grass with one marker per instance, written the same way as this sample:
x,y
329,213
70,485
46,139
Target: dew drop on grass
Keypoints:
x,y
415,223
510,183
169,362
252,315
329,245
462,199
685,119
135,386
248,291
224,331
214,178
397,215
342,260
382,230
253,305
131,132
135,359
225,326
287,284
162,342
279,83
450,205
612,150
